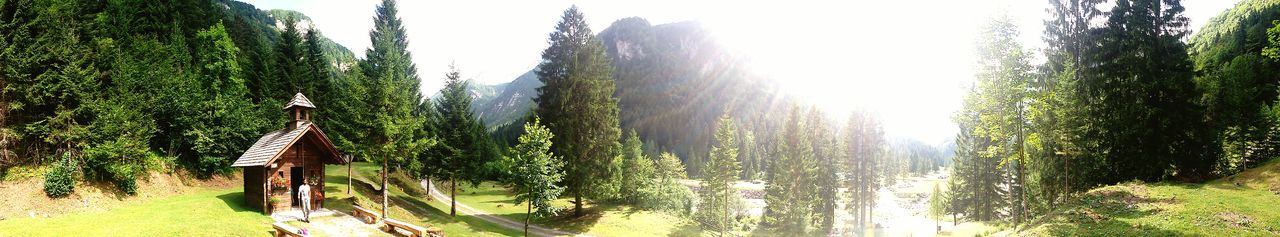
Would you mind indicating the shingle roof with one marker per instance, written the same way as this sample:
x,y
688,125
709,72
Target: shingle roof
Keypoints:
x,y
274,143
268,146
300,101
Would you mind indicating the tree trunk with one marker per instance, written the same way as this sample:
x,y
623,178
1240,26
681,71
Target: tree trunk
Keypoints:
x,y
453,197
384,186
528,212
724,225
577,203
1022,180
348,176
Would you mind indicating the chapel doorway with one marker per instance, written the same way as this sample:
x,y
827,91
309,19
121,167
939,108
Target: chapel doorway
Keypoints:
x,y
295,181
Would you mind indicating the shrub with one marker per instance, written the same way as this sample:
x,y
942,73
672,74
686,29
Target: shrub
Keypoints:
x,y
118,161
124,175
60,181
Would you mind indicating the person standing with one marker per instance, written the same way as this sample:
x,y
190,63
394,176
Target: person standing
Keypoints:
x,y
304,192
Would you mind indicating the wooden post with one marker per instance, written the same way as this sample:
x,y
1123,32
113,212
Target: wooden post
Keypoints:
x,y
348,174
384,186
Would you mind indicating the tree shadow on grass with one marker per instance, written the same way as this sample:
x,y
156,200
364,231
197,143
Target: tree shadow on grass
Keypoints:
x,y
236,202
1101,213
565,221
430,214
687,229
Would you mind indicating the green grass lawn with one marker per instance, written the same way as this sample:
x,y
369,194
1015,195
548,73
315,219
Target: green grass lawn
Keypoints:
x,y
1247,204
601,220
411,208
222,212
210,212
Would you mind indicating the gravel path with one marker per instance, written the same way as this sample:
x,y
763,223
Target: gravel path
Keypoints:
x,y
503,221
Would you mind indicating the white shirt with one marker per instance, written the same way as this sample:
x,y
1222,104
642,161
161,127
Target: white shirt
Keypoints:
x,y
304,192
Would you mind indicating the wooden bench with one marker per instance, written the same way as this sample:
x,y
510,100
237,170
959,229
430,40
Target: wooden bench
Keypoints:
x,y
283,230
416,231
369,217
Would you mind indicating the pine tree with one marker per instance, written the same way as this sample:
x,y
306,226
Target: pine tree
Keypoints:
x,y
749,155
639,182
826,181
460,144
1002,88
577,102
721,171
222,122
1056,110
789,190
393,93
317,81
937,206
1140,91
981,180
291,69
865,156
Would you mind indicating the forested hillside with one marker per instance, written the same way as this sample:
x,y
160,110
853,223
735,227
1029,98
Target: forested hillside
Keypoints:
x,y
113,89
1121,97
673,82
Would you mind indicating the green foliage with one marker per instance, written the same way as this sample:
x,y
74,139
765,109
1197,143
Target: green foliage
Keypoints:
x,y
827,183
998,100
671,194
977,180
790,186
864,155
290,67
640,177
1140,53
460,153
721,171
393,91
937,203
577,102
1062,157
669,167
537,170
60,181
121,158
222,112
1238,83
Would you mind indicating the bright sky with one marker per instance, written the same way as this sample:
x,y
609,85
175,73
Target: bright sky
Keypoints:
x,y
906,60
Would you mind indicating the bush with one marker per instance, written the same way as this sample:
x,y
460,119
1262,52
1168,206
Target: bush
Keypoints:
x,y
60,181
124,177
668,196
118,161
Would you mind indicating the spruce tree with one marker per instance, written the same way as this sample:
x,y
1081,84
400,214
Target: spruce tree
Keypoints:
x,y
393,93
721,171
790,188
290,69
317,81
577,102
1002,79
1141,94
826,181
864,154
640,179
222,123
461,145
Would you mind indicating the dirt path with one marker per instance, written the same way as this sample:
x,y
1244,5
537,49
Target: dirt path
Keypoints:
x,y
503,221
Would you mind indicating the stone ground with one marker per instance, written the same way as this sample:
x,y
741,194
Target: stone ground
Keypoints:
x,y
325,222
